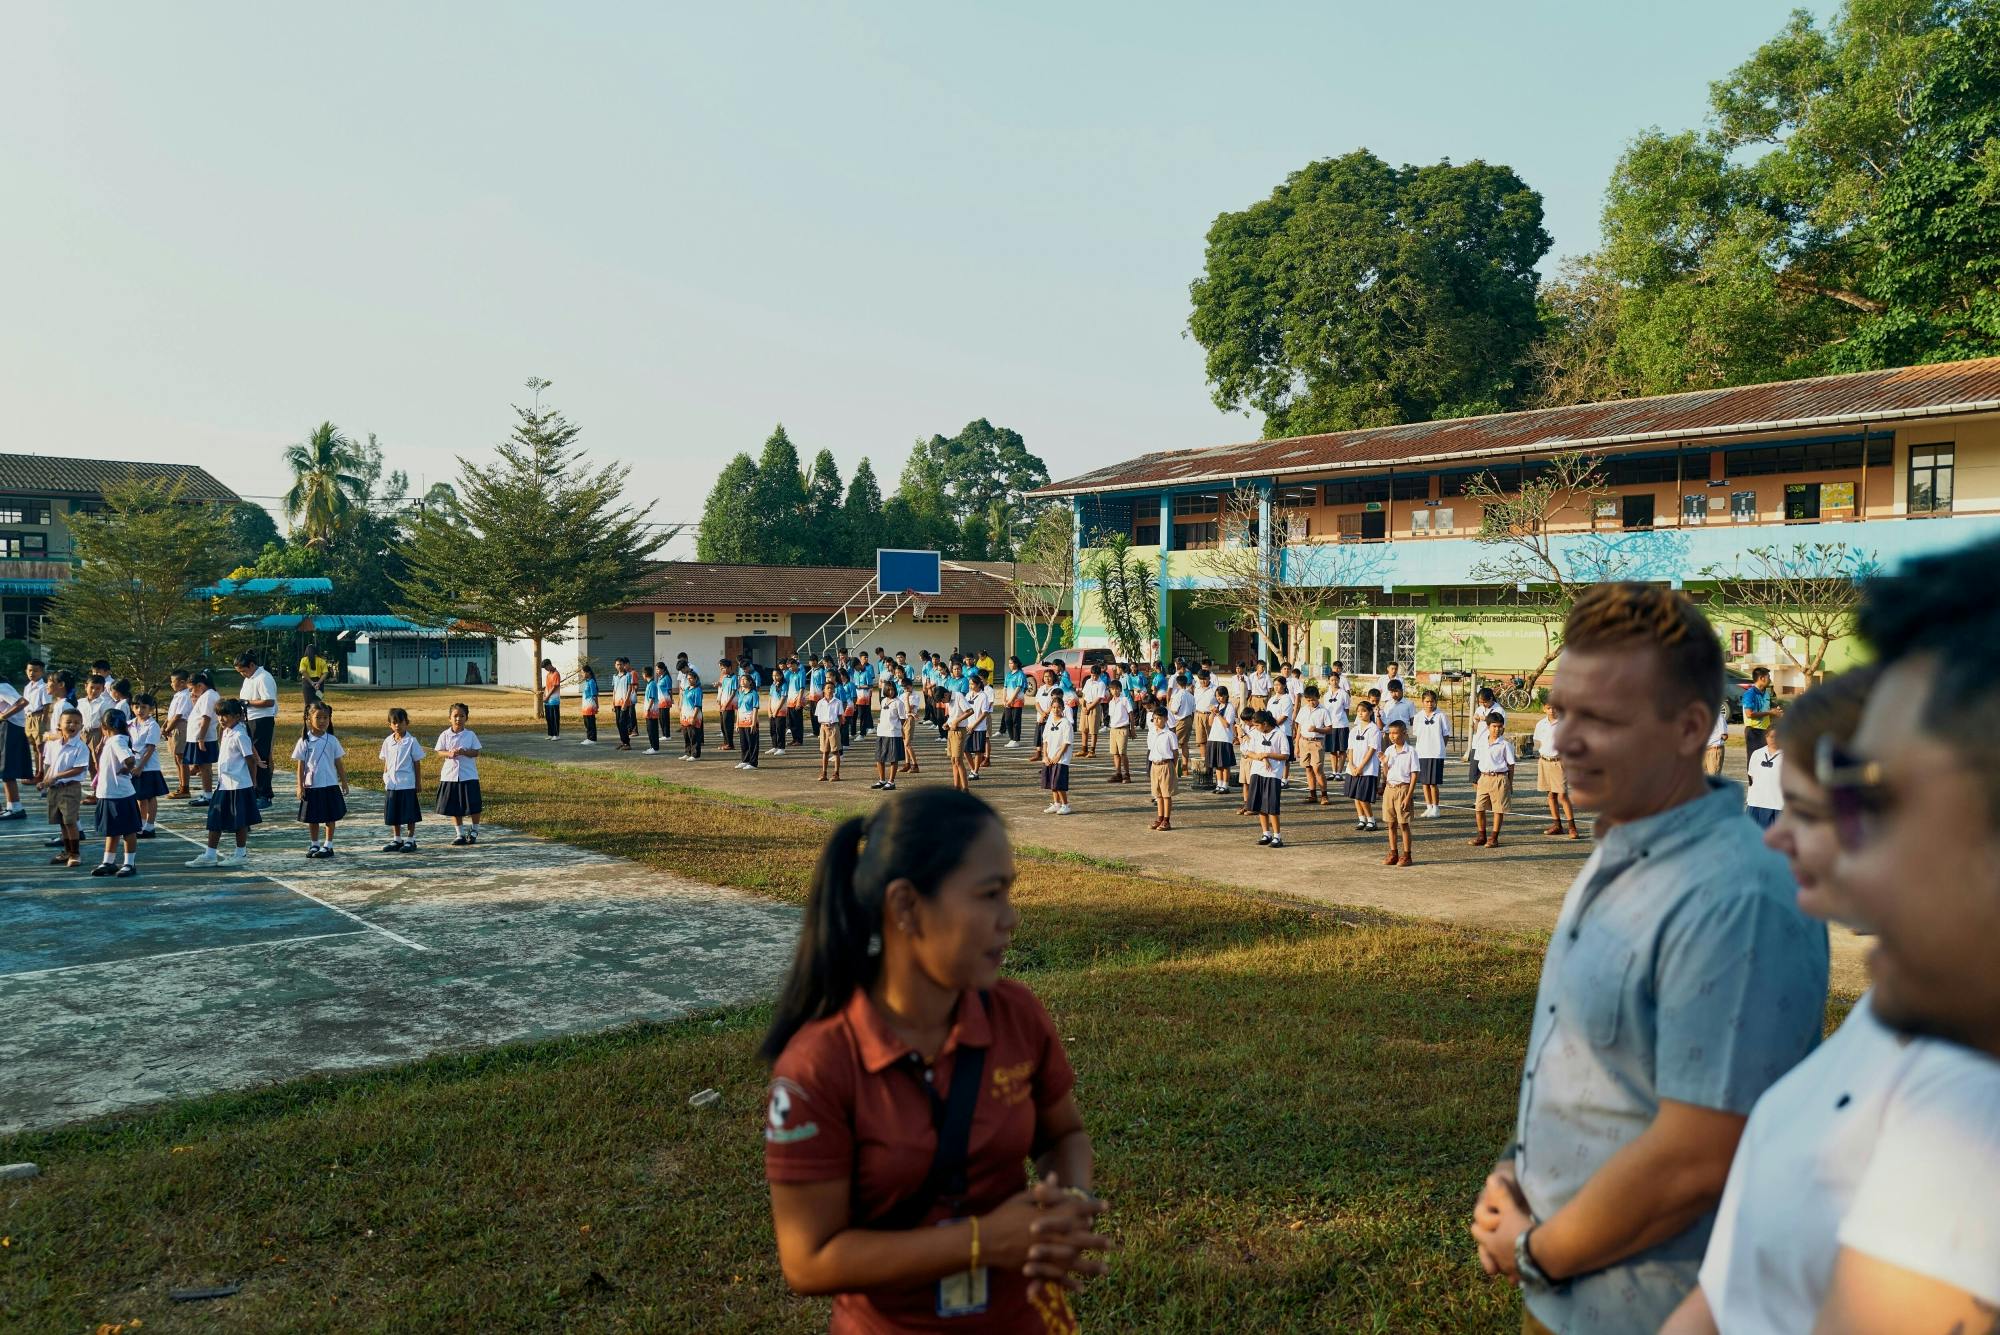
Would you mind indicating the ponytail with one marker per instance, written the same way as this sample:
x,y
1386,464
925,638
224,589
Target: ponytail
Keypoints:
x,y
920,837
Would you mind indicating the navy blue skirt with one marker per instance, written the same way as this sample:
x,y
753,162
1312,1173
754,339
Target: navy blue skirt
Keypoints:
x,y
458,798
1055,778
18,761
198,753
1221,755
401,807
1336,741
149,783
117,816
1364,787
233,809
1431,771
1264,796
322,806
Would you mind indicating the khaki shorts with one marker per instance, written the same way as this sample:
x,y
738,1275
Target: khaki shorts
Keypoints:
x,y
1549,776
1087,721
1396,805
1313,756
1184,733
1495,790
954,744
1163,777
829,739
1118,736
65,804
1711,760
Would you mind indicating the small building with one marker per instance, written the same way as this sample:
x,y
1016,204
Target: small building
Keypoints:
x,y
38,493
708,611
393,651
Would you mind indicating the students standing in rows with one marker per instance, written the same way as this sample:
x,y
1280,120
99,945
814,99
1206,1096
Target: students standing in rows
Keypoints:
x,y
1549,775
1431,732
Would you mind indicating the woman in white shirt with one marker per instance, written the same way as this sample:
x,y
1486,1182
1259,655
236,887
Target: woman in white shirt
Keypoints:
x,y
458,776
1878,1151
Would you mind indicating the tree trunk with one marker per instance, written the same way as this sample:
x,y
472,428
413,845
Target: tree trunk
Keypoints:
x,y
535,676
1553,650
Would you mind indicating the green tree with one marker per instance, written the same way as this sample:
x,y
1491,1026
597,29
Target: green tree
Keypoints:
x,y
778,503
1360,294
861,516
251,530
729,527
540,539
1127,591
131,598
974,540
825,527
972,473
326,483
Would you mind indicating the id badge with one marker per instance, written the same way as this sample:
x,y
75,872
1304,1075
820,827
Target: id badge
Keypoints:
x,y
962,1292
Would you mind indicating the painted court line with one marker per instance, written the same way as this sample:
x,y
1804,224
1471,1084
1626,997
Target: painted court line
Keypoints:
x,y
174,954
304,894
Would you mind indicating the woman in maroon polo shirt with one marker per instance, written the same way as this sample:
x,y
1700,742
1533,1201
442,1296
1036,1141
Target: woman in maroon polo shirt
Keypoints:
x,y
912,1085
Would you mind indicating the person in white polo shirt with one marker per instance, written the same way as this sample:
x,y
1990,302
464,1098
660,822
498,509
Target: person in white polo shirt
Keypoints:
x,y
259,694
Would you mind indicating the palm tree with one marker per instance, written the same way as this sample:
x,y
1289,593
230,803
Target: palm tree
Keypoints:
x,y
326,488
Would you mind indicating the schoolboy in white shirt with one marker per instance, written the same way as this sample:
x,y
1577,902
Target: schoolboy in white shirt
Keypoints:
x,y
173,733
1399,774
1118,712
826,712
1496,760
1163,749
1180,713
1314,722
1549,776
1431,734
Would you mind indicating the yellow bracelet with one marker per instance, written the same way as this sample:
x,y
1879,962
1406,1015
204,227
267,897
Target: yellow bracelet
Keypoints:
x,y
974,1266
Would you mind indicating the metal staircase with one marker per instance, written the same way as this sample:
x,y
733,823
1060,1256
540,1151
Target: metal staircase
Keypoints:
x,y
866,611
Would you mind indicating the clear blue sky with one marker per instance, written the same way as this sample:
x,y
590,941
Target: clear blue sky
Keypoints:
x,y
223,223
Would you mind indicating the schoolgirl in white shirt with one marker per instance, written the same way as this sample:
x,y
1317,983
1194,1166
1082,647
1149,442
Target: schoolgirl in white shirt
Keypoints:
x,y
1431,736
203,734
1765,797
149,784
458,776
117,808
1364,767
233,807
1281,710
1340,702
1057,740
1220,742
401,757
888,735
1266,749
322,779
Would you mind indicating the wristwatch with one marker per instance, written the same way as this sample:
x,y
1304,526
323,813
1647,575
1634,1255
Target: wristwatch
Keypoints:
x,y
1532,1276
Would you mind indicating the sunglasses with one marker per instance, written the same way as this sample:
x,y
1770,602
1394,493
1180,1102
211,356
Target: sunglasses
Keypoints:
x,y
1855,790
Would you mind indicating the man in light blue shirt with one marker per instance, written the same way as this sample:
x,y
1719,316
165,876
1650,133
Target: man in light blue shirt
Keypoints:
x,y
1680,983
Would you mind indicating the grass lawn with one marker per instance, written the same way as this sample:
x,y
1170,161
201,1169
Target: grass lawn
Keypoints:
x,y
1292,1109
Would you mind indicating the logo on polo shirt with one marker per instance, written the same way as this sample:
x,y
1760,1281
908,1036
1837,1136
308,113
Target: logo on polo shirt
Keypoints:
x,y
1012,1084
787,1099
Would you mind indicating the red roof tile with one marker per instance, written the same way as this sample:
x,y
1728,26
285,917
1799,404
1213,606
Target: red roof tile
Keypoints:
x,y
1857,399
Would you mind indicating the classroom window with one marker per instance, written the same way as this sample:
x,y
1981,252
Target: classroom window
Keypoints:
x,y
1195,535
16,627
1411,487
1930,479
1802,500
1296,498
757,618
1369,644
1820,456
1359,492
1643,471
1146,533
16,546
1198,504
23,510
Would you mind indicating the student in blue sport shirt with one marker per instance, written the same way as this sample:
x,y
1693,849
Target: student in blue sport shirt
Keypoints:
x,y
655,679
692,722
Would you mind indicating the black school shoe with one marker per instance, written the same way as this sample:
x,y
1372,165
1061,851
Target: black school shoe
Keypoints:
x,y
312,850
104,869
149,834
393,846
126,871
460,842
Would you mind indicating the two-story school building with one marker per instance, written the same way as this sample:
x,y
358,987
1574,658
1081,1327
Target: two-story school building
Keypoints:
x,y
1890,463
709,611
38,494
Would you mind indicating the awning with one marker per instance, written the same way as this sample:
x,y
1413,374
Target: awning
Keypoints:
x,y
329,623
222,588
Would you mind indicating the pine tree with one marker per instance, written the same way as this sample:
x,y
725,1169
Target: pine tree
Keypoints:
x,y
778,503
539,539
729,529
861,516
825,530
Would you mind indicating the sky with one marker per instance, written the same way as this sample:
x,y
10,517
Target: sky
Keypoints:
x,y
221,224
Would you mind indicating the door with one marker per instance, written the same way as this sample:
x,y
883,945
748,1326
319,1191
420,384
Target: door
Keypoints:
x,y
1242,645
1374,525
982,633
616,635
1639,511
1802,500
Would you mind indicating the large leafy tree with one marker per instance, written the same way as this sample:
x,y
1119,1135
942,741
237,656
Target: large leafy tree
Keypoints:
x,y
730,532
541,537
1763,246
327,485
825,527
778,502
861,516
131,598
983,472
1360,294
363,556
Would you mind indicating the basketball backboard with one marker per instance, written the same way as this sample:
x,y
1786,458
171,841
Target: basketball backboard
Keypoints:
x,y
907,570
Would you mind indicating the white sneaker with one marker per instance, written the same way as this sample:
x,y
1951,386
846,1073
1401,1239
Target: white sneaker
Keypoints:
x,y
1011,745
1052,808
1063,810
586,742
652,750
207,859
777,750
240,858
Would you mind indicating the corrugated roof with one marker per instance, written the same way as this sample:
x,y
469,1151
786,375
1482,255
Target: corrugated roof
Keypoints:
x,y
673,584
264,584
89,477
1947,388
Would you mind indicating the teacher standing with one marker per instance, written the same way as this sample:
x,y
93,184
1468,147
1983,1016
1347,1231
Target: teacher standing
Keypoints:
x,y
313,672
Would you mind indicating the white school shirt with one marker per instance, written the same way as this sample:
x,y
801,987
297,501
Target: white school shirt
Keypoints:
x,y
1766,766
982,708
92,710
1204,699
1887,1146
1341,701
1224,727
1273,765
1367,740
1260,684
177,708
1056,740
399,762
1433,732
1399,711
457,768
1044,702
317,755
826,710
1181,706
1162,745
232,758
259,685
1719,735
1494,757
60,753
112,780
36,693
202,721
145,732
1399,765
1314,720
1120,711
1545,739
1093,690
8,695
1295,686
889,718
1281,710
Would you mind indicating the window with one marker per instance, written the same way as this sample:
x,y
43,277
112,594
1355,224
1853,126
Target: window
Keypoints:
x,y
1638,511
1369,644
1645,470
16,626
1820,456
690,618
1196,535
757,618
1295,529
1296,498
1743,507
1481,595
16,546
1411,487
1358,492
1197,504
19,510
931,619
1694,508
1146,532
1930,479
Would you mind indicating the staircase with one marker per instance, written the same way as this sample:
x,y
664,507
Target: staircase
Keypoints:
x,y
1186,650
865,612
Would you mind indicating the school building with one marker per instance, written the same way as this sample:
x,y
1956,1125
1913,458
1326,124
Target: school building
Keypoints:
x,y
709,611
38,494
1891,463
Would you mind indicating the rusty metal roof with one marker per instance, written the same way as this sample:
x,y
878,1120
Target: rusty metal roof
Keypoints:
x,y
674,584
1943,389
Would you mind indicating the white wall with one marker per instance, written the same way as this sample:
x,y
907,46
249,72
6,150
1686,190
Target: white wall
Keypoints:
x,y
517,659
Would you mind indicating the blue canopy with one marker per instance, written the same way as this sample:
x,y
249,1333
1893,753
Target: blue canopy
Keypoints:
x,y
222,588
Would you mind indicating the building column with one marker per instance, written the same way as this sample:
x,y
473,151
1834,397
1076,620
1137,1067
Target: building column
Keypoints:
x,y
1076,570
1263,564
1165,620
